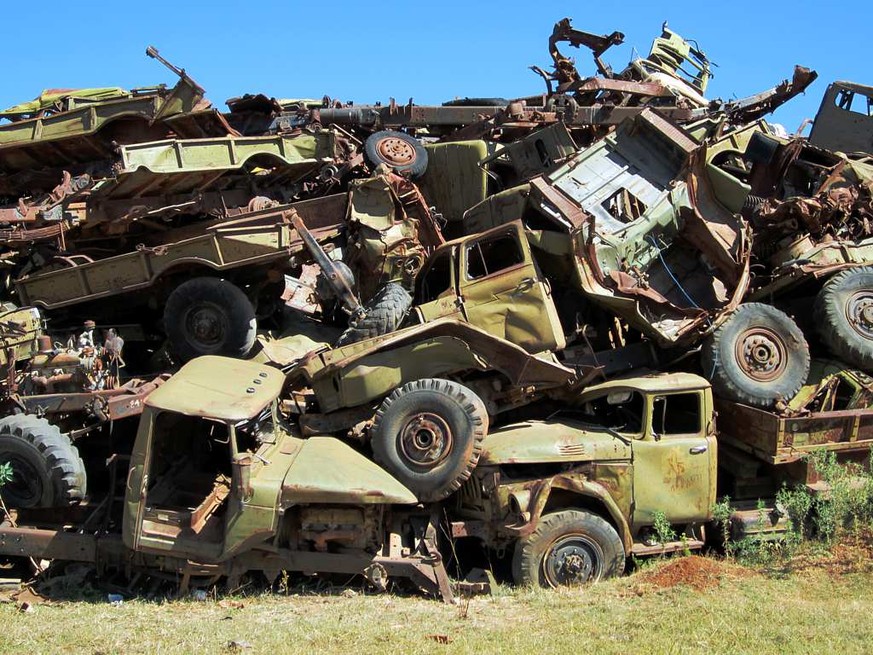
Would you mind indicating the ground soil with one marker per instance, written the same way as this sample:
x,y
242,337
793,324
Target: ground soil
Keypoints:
x,y
698,573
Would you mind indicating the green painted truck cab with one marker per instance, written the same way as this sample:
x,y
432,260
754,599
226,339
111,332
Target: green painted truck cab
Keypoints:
x,y
215,471
631,452
492,281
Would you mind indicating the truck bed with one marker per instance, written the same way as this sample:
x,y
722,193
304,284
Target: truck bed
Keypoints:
x,y
779,439
256,241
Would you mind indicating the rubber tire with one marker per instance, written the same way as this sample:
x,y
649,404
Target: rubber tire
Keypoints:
x,y
382,315
728,379
463,412
239,322
531,550
834,327
57,474
414,169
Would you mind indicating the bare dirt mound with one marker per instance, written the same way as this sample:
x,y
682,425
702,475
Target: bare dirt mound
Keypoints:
x,y
699,573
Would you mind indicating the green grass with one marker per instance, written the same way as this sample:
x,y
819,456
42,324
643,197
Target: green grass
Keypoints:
x,y
814,610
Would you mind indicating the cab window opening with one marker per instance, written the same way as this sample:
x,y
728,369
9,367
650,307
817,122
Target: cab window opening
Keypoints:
x,y
676,414
489,256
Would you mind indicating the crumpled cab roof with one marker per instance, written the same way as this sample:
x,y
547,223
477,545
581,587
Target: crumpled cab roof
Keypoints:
x,y
221,388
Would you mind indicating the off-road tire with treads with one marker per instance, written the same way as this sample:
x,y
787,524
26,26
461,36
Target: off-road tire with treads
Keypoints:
x,y
428,434
382,315
209,316
46,468
758,356
403,153
843,313
568,548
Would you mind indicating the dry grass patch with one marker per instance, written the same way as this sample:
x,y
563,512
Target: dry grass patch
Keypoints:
x,y
681,605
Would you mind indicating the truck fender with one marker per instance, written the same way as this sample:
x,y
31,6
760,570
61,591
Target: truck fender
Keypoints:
x,y
326,470
530,500
365,371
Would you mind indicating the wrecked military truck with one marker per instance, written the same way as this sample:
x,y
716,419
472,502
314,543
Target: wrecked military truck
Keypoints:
x,y
659,259
662,245
218,489
661,242
569,498
220,485
206,285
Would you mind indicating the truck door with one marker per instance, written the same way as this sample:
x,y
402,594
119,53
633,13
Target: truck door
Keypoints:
x,y
503,292
185,483
436,293
675,461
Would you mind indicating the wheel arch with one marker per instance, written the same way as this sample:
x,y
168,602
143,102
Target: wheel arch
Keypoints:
x,y
565,492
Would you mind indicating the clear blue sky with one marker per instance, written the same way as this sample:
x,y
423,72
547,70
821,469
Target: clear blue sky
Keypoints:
x,y
431,51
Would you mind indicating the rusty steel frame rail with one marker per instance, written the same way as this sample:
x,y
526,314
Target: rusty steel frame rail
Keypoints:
x,y
105,404
427,570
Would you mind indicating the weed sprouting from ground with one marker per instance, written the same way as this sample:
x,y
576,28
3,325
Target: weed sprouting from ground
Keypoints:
x,y
663,531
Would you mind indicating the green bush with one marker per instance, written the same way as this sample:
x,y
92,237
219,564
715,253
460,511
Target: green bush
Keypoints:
x,y
844,507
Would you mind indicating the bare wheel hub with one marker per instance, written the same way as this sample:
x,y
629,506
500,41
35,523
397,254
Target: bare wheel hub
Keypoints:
x,y
859,311
426,440
396,151
572,560
25,487
761,354
207,324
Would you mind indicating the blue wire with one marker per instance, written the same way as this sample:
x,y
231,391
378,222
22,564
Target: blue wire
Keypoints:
x,y
673,277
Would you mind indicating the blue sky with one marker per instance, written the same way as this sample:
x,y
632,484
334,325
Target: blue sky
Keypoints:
x,y
367,52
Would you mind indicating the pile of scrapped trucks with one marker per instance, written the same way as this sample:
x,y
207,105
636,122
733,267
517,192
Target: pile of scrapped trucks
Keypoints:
x,y
399,340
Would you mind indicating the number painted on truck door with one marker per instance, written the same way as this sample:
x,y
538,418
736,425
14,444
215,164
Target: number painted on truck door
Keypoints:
x,y
674,461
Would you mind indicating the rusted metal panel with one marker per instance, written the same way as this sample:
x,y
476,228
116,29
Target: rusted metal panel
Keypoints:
x,y
254,241
551,441
219,387
105,404
310,480
844,121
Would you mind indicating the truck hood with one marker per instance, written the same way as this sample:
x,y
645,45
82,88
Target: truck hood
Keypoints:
x,y
536,442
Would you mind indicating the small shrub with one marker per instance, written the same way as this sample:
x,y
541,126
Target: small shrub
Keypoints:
x,y
661,528
846,506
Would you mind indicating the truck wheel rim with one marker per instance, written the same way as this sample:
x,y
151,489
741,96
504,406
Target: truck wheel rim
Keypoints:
x,y
573,560
859,311
25,487
206,324
761,354
396,151
426,440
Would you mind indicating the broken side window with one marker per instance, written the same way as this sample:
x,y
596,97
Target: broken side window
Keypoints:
x,y
624,206
492,255
855,102
621,411
676,414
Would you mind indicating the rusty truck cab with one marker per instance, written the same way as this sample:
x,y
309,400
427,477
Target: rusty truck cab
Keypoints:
x,y
627,454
